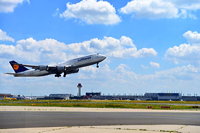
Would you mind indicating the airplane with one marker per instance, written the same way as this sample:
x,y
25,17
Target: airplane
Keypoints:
x,y
69,67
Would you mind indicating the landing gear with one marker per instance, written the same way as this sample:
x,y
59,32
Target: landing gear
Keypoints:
x,y
97,65
57,75
64,75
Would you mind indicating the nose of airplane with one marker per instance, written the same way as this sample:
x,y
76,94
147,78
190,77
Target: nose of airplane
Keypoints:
x,y
102,57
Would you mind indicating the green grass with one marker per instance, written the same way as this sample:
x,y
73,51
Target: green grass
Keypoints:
x,y
101,104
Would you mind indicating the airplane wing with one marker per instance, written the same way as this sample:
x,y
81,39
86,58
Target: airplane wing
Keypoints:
x,y
31,66
68,66
47,67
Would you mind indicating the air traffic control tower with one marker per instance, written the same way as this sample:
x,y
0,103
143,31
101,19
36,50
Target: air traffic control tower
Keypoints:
x,y
79,86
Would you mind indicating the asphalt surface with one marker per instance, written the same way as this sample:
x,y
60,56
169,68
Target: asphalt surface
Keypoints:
x,y
17,119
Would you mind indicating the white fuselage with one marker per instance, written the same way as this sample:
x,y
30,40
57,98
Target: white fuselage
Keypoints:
x,y
32,73
74,63
84,61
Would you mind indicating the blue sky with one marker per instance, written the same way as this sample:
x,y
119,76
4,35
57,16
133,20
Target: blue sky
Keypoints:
x,y
151,45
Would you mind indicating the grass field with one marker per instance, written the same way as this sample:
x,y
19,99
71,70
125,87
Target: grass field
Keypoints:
x,y
105,104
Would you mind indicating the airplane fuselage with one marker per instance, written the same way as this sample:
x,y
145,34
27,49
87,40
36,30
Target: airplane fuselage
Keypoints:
x,y
71,66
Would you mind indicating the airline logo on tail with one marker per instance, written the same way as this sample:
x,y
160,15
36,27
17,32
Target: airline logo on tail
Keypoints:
x,y
17,67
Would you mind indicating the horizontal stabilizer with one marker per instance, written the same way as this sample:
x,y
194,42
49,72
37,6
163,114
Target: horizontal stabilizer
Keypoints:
x,y
14,74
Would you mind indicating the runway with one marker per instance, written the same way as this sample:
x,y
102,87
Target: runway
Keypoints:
x,y
23,119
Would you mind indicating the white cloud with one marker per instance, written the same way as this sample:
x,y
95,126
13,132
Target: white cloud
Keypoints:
x,y
92,12
156,9
123,47
184,53
35,51
187,4
188,52
50,49
145,52
192,37
7,6
188,72
5,37
150,9
154,64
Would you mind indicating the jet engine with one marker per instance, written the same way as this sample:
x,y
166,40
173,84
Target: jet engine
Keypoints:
x,y
42,68
72,71
61,68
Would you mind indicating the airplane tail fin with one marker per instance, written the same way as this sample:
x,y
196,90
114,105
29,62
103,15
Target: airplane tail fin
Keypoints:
x,y
17,67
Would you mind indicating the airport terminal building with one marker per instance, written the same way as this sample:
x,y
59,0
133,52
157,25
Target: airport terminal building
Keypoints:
x,y
146,96
163,96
